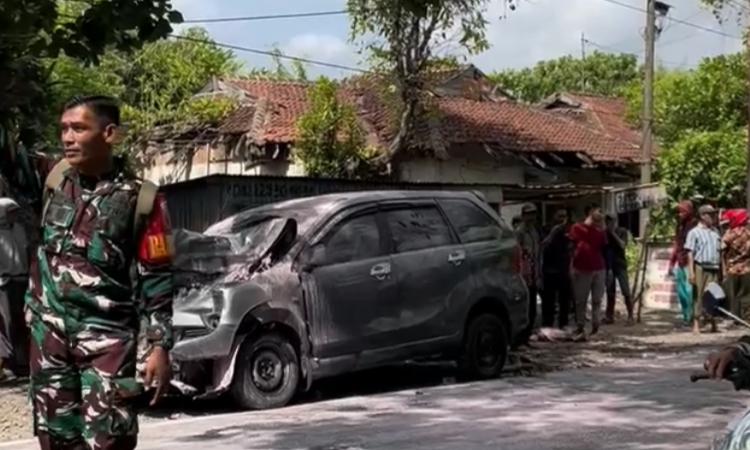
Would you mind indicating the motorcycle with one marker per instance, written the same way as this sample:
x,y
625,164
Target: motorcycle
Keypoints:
x,y
737,434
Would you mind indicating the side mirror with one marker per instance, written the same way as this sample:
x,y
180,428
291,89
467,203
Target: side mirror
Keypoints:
x,y
314,257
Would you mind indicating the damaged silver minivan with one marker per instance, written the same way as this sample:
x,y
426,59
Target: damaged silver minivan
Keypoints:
x,y
282,295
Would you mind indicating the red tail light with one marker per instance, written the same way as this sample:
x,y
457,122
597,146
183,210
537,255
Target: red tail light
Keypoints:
x,y
517,260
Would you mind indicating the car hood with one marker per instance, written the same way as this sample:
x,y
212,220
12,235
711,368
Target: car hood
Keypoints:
x,y
205,263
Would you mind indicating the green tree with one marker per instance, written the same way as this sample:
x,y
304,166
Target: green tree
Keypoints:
x,y
739,8
599,73
83,30
330,141
700,116
710,97
709,163
160,80
32,31
401,36
296,71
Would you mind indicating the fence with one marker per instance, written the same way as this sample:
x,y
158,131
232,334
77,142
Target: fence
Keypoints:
x,y
196,204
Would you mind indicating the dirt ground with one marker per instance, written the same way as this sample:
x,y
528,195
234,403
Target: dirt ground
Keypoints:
x,y
659,334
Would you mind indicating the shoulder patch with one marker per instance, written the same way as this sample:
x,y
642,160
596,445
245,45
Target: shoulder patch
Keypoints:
x,y
159,247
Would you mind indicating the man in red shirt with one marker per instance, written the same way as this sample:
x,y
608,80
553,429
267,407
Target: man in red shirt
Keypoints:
x,y
587,267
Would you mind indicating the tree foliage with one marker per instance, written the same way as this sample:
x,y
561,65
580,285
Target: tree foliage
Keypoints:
x,y
709,163
33,31
710,97
330,141
155,83
401,36
162,78
87,29
296,71
724,8
599,73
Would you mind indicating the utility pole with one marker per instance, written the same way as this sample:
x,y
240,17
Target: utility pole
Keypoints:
x,y
648,102
583,62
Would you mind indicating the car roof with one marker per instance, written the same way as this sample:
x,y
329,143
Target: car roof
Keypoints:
x,y
347,198
307,210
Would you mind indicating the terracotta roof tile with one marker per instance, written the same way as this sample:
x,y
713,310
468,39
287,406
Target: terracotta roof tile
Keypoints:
x,y
510,125
288,99
606,114
238,121
515,126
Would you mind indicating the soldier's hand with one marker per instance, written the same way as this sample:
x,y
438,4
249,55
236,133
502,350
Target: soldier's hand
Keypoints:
x,y
158,370
717,362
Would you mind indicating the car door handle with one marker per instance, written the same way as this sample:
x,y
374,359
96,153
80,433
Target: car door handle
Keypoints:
x,y
457,257
380,271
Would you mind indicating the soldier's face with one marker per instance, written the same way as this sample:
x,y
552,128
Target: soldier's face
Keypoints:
x,y
86,141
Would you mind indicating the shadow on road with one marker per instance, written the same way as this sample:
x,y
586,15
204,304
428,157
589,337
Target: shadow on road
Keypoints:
x,y
371,382
635,407
616,341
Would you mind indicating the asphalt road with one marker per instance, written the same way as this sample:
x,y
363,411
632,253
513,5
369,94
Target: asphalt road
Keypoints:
x,y
638,404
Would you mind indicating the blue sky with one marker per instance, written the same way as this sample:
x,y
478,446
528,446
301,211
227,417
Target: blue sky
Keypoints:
x,y
537,30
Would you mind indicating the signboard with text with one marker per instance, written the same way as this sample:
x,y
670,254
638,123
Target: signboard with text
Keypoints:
x,y
637,197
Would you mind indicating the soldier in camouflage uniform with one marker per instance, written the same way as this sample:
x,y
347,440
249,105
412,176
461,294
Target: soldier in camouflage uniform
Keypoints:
x,y
83,303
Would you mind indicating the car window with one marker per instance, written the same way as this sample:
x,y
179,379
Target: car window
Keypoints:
x,y
471,223
417,228
354,239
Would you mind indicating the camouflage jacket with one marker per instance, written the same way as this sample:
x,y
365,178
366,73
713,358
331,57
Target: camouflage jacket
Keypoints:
x,y
91,272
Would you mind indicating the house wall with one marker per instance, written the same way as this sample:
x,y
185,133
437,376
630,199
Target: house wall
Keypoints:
x,y
458,170
167,167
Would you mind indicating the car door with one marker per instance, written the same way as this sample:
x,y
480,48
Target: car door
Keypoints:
x,y
355,290
429,264
490,249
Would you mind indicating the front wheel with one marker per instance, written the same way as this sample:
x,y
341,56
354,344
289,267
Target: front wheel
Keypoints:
x,y
485,347
266,374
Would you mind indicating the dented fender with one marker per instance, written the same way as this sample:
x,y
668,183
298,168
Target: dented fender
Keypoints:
x,y
224,369
270,299
236,302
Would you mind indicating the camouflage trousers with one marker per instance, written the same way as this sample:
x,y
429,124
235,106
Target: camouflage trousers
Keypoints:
x,y
77,388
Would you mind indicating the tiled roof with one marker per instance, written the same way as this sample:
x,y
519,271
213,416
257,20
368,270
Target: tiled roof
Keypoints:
x,y
509,125
288,100
606,114
515,126
238,121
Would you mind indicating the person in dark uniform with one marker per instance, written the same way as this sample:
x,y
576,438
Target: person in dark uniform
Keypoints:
x,y
557,294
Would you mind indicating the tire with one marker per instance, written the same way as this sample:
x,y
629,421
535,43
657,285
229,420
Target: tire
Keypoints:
x,y
266,373
485,348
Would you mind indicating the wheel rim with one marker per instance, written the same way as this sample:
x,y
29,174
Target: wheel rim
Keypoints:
x,y
488,348
267,372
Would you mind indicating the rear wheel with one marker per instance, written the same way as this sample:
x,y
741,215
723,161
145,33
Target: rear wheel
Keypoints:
x,y
266,372
485,347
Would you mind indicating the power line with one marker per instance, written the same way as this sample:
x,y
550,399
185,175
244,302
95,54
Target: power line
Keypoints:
x,y
680,21
267,17
272,54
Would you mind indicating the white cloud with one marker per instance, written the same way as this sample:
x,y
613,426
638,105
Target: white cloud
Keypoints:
x,y
322,47
537,30
546,29
192,9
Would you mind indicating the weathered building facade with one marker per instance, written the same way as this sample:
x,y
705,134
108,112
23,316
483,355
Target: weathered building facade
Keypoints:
x,y
479,135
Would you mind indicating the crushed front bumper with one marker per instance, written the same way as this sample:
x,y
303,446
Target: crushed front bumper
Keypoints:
x,y
203,360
